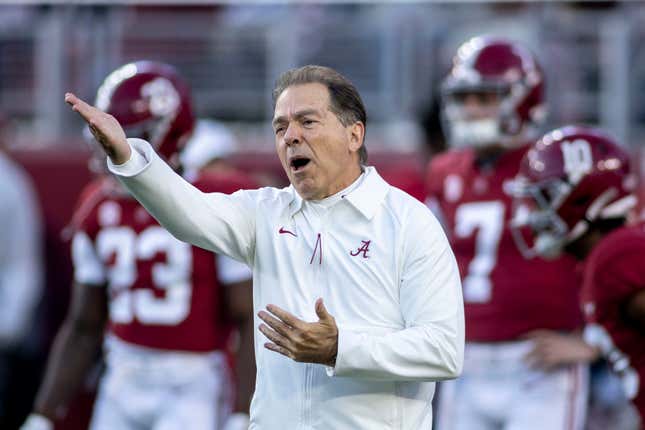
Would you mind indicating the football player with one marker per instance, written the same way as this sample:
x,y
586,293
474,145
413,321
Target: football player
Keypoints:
x,y
163,309
574,192
516,310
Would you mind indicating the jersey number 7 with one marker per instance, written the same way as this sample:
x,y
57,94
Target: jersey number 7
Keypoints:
x,y
486,220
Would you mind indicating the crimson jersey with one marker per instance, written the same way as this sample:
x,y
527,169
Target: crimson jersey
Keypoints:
x,y
163,293
614,272
505,295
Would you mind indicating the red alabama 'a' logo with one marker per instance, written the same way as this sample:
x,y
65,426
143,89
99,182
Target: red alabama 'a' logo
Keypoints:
x,y
363,248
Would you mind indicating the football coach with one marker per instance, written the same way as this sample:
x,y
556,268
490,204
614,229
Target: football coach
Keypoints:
x,y
356,291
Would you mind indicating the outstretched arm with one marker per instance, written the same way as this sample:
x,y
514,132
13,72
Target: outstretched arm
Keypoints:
x,y
214,221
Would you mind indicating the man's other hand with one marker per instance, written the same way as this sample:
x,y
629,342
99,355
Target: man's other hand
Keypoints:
x,y
106,129
315,342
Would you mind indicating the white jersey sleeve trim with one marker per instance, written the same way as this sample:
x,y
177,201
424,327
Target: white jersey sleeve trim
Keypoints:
x,y
88,269
232,271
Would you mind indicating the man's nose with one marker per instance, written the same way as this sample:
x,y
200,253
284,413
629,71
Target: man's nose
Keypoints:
x,y
292,134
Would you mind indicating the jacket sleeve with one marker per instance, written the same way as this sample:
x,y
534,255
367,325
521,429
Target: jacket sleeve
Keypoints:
x,y
431,345
218,222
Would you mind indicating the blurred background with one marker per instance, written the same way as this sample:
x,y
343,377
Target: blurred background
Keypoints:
x,y
397,54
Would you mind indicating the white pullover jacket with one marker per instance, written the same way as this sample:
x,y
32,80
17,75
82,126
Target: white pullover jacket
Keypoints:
x,y
377,257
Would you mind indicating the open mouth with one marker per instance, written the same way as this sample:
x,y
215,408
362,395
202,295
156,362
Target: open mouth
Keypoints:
x,y
299,163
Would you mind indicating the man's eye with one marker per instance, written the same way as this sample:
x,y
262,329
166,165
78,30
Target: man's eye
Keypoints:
x,y
279,130
308,122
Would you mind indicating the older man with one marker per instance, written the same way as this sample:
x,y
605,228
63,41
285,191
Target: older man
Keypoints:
x,y
377,257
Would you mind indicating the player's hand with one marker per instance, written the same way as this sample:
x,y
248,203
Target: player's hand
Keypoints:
x,y
552,349
106,129
315,342
37,422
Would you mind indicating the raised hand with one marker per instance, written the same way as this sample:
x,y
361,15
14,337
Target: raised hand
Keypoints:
x,y
315,342
105,128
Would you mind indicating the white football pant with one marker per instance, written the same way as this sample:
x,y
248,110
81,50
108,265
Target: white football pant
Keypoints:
x,y
497,391
179,394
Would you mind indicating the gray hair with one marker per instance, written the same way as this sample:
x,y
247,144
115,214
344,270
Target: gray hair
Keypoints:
x,y
344,100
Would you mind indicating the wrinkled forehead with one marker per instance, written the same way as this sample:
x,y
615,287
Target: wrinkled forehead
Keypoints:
x,y
302,97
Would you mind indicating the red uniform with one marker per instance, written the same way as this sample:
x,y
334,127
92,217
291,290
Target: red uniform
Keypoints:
x,y
505,295
163,293
614,272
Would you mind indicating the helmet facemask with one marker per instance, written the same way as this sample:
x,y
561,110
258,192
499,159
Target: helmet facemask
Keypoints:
x,y
536,227
570,182
472,117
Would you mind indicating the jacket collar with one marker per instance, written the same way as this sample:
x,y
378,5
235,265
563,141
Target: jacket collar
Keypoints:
x,y
366,198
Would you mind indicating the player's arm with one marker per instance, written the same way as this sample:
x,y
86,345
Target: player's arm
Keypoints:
x,y
75,349
238,293
240,303
622,274
552,349
78,341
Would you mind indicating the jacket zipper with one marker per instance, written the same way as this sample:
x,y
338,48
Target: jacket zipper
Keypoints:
x,y
316,257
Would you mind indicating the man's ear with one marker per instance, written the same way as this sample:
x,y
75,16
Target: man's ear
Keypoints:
x,y
356,136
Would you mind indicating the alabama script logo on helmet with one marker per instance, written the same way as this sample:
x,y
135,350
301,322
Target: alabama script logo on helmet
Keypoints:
x,y
151,101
